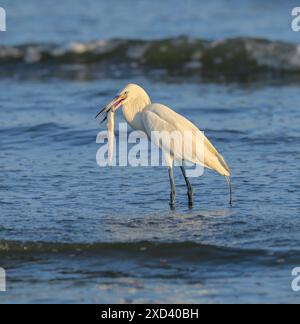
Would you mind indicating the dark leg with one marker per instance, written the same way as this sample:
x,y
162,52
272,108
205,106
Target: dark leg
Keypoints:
x,y
172,184
189,186
228,179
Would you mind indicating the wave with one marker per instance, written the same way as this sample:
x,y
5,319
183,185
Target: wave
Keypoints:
x,y
177,250
227,57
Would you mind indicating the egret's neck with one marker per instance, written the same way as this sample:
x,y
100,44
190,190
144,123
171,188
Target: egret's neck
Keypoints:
x,y
132,110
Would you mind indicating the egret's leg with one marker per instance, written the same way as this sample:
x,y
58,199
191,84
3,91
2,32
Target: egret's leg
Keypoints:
x,y
228,179
188,184
173,191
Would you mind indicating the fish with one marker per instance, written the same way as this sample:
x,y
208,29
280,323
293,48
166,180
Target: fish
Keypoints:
x,y
111,135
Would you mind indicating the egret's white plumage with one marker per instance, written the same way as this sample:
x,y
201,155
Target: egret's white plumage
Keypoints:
x,y
149,117
157,117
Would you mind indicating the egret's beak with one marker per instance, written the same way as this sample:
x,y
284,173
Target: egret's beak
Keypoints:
x,y
113,105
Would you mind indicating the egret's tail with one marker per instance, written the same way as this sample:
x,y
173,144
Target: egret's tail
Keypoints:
x,y
223,168
228,179
214,160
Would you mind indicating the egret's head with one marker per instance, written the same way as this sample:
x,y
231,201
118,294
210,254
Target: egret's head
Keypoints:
x,y
131,93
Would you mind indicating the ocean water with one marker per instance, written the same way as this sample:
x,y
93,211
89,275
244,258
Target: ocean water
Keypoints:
x,y
87,20
72,232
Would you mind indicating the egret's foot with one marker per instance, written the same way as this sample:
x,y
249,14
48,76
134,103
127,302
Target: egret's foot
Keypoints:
x,y
173,190
191,202
172,206
172,203
191,197
172,200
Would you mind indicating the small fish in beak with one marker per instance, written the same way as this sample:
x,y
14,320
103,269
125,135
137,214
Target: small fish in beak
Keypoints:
x,y
109,115
111,136
112,106
107,109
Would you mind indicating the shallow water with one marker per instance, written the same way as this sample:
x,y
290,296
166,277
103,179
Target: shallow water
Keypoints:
x,y
53,191
73,232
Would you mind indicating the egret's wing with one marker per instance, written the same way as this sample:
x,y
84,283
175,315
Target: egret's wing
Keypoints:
x,y
159,118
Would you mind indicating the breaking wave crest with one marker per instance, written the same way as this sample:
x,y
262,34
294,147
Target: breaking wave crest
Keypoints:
x,y
228,57
187,251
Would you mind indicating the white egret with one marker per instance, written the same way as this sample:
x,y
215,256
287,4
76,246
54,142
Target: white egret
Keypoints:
x,y
144,116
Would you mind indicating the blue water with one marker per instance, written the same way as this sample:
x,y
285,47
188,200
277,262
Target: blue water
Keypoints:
x,y
72,232
70,20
